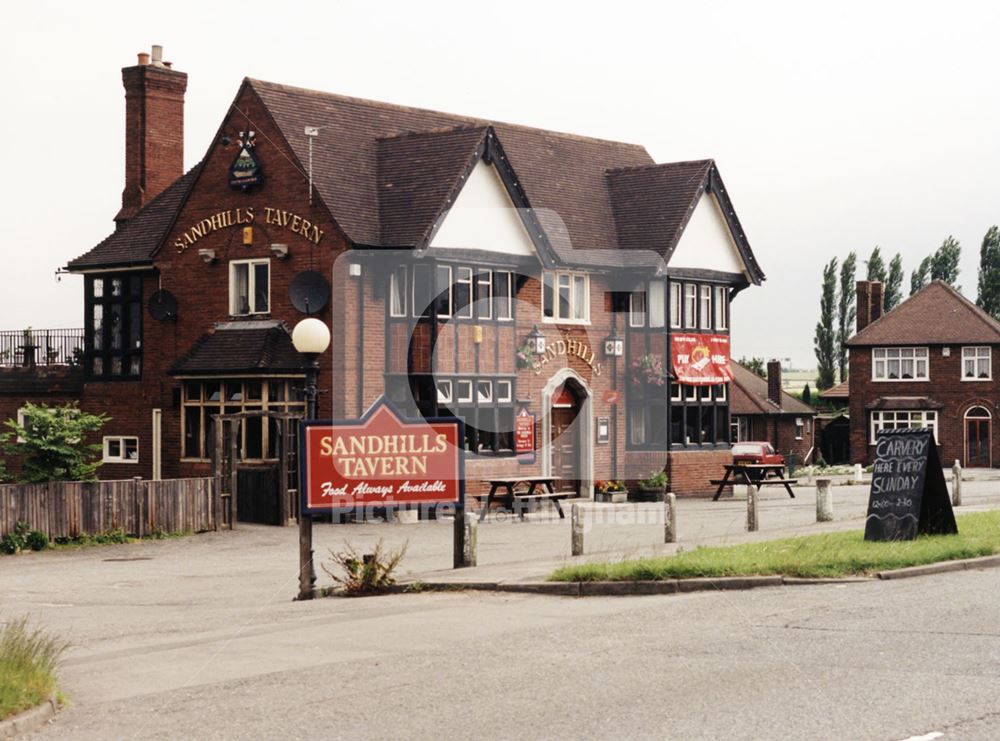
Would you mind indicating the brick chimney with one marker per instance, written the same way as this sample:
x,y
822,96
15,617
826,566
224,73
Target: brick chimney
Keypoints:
x,y
774,382
154,130
878,300
871,299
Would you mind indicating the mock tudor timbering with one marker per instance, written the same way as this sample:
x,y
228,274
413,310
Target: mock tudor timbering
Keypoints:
x,y
446,240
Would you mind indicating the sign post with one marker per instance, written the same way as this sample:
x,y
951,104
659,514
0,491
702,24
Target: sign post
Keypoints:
x,y
383,460
909,496
524,437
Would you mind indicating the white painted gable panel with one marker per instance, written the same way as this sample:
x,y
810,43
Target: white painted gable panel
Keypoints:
x,y
707,242
483,217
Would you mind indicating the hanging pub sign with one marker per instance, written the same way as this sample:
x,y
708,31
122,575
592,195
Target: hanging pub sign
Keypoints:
x,y
700,359
524,437
908,496
381,460
245,171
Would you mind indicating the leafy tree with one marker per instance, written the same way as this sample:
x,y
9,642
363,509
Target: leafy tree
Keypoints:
x,y
989,273
807,394
876,266
825,340
920,276
755,365
944,262
847,311
52,443
894,283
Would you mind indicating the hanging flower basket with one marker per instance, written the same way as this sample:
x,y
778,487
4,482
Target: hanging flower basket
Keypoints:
x,y
648,370
525,356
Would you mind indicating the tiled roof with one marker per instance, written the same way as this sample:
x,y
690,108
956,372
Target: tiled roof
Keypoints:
x,y
263,347
840,391
137,240
748,395
935,315
905,402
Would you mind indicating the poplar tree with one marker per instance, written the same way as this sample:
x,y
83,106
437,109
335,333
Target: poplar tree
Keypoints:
x,y
944,262
894,283
989,273
876,266
825,337
847,311
918,278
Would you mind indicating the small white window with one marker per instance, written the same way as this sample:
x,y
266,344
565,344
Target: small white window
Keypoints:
x,y
504,391
721,308
706,306
675,392
121,450
676,305
800,427
484,294
504,296
657,303
690,392
484,391
444,392
720,392
976,364
637,309
397,292
443,289
465,392
249,287
566,297
690,305
462,293
899,364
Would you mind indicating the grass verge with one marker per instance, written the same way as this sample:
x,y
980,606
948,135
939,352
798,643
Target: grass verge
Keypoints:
x,y
825,555
28,659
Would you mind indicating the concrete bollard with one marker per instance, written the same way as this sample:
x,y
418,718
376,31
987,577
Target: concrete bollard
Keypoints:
x,y
824,501
956,485
669,518
859,476
576,530
470,551
751,509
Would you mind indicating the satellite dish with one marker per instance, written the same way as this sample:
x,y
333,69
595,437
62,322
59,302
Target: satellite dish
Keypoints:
x,y
309,292
163,305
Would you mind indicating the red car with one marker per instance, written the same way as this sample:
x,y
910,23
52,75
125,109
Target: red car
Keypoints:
x,y
761,453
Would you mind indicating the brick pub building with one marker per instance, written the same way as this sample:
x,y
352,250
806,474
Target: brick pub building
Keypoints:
x,y
450,247
930,362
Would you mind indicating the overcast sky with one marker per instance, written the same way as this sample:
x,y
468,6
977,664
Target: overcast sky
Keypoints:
x,y
835,126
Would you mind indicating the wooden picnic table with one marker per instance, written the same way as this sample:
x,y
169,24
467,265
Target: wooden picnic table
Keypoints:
x,y
521,491
754,474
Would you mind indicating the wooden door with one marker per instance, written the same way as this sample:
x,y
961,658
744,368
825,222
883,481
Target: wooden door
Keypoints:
x,y
977,441
565,440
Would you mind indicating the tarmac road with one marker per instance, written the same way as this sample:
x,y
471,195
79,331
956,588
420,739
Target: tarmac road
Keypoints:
x,y
198,638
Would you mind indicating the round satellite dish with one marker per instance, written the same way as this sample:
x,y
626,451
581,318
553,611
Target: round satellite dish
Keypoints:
x,y
309,292
163,305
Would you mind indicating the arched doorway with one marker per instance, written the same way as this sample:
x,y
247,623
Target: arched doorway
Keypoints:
x,y
978,422
567,433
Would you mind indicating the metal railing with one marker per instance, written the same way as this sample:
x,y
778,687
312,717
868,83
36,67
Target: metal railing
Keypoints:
x,y
29,347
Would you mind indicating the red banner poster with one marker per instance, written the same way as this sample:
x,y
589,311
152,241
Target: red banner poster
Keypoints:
x,y
524,437
700,359
381,459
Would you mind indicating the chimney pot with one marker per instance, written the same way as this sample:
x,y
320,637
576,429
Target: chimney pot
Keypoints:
x,y
143,59
774,382
157,55
168,65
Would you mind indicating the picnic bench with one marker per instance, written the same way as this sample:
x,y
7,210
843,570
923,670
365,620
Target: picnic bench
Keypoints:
x,y
520,491
753,474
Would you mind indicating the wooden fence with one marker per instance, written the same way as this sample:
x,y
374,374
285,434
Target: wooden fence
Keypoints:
x,y
71,508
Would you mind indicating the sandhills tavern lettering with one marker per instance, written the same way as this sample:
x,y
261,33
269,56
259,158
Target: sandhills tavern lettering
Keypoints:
x,y
382,455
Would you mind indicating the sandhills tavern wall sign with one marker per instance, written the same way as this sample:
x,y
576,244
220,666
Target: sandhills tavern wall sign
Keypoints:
x,y
246,217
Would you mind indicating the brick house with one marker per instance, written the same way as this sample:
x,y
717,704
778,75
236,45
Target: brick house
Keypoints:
x,y
435,246
930,362
760,410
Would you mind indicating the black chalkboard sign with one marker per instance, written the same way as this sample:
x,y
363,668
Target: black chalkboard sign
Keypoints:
x,y
909,496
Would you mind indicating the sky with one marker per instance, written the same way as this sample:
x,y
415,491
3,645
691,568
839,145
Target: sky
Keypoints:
x,y
836,127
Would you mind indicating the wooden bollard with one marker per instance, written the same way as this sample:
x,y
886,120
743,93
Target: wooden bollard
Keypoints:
x,y
576,530
824,501
669,518
956,484
751,509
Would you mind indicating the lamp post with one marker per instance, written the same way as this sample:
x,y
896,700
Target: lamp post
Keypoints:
x,y
311,337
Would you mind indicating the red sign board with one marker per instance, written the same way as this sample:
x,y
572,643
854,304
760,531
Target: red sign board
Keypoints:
x,y
524,436
700,359
382,460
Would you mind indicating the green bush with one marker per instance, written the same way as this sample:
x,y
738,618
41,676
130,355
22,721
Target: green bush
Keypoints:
x,y
16,540
37,540
369,573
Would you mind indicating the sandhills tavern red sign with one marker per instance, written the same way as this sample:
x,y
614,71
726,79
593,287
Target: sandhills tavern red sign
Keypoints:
x,y
381,460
